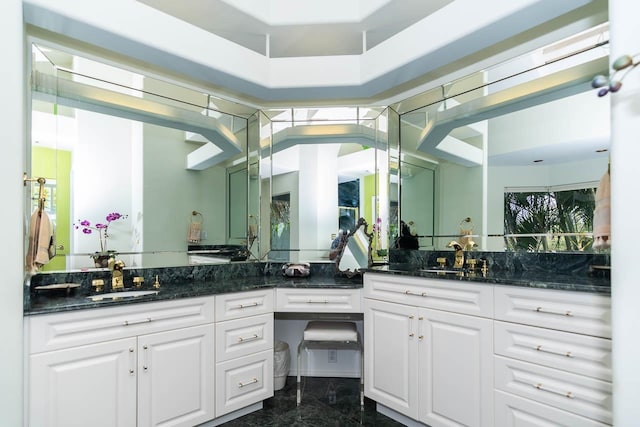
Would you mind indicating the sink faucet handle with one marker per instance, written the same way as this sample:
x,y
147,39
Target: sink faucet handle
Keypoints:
x,y
97,284
471,262
138,281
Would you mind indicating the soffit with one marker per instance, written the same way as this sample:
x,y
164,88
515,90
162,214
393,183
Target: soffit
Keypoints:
x,y
252,51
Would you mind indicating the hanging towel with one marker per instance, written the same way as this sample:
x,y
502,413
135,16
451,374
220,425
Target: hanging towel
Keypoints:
x,y
195,231
40,241
602,214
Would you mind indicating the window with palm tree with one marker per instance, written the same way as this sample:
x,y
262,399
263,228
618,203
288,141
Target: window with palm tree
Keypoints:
x,y
549,221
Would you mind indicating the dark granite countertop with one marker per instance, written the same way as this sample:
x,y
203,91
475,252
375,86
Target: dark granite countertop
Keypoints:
x,y
43,302
194,281
539,279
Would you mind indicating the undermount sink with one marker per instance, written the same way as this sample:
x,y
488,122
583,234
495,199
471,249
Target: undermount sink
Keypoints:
x,y
441,271
121,295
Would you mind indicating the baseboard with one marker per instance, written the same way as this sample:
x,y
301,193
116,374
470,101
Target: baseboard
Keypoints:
x,y
233,415
396,416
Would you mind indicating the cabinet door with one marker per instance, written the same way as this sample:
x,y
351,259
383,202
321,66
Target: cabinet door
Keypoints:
x,y
176,377
391,370
92,385
456,369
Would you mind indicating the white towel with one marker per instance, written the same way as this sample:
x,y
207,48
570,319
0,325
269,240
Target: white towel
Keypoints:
x,y
40,241
195,232
602,214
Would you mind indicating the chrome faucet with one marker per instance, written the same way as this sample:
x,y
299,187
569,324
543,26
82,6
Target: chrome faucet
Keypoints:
x,y
117,278
458,261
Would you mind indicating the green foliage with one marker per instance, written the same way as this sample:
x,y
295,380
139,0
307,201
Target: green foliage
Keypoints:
x,y
549,221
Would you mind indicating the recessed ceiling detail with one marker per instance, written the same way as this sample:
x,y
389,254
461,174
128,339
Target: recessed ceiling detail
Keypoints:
x,y
276,52
283,29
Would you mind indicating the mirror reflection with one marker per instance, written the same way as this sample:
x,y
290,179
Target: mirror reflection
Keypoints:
x,y
135,186
526,172
329,167
354,252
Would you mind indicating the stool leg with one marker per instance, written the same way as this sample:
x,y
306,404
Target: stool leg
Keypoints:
x,y
361,376
298,391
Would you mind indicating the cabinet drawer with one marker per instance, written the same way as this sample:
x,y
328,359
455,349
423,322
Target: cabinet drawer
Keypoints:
x,y
69,329
580,354
578,312
319,300
243,381
581,395
241,337
441,294
514,411
242,304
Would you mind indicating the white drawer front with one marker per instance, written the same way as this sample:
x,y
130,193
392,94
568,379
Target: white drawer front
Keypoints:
x,y
244,381
514,411
588,397
69,329
456,296
241,337
319,300
578,312
580,354
242,304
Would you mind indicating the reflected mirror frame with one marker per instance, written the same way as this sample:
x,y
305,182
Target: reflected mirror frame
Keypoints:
x,y
361,227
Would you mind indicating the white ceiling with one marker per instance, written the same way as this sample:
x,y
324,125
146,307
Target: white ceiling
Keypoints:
x,y
316,52
281,28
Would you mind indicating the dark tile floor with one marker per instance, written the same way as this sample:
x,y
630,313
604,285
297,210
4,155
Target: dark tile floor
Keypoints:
x,y
318,408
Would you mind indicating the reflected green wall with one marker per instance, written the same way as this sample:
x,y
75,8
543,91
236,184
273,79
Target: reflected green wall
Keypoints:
x,y
55,165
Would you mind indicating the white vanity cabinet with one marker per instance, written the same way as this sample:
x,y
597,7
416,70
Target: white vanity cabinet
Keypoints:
x,y
143,364
244,349
318,300
425,356
552,358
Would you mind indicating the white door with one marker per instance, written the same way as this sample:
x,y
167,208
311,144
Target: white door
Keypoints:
x,y
176,377
92,385
391,370
456,369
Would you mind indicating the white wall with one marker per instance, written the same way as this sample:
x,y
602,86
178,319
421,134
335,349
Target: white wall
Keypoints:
x,y
625,152
174,192
460,196
101,181
12,216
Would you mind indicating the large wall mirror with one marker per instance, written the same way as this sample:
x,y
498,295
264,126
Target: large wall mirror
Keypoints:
x,y
328,168
163,156
511,155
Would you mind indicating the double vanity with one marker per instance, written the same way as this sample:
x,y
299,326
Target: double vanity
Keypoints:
x,y
478,350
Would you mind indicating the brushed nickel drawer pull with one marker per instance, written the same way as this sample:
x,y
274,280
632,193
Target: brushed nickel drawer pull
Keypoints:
x,y
559,353
135,322
253,337
567,394
559,313
253,304
253,381
318,302
422,294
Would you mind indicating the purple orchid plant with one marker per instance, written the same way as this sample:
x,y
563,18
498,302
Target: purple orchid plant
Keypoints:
x,y
101,228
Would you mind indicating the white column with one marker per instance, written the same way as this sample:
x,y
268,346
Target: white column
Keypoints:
x,y
625,155
12,111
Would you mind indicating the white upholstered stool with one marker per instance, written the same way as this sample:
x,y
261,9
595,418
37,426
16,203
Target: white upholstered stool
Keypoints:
x,y
329,335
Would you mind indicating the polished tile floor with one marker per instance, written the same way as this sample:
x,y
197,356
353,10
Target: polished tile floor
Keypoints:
x,y
319,408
